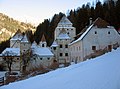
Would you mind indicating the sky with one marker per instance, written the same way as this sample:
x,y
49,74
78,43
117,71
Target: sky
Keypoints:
x,y
35,11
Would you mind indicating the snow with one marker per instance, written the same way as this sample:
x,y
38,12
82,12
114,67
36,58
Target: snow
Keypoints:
x,y
43,52
63,36
83,35
18,36
54,44
64,21
25,39
99,73
13,51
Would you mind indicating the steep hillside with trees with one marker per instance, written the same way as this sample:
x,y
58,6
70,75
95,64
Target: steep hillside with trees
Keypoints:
x,y
8,26
80,19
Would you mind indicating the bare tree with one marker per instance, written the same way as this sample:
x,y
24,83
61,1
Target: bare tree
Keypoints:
x,y
8,57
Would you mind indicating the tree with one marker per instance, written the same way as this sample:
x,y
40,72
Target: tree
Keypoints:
x,y
8,57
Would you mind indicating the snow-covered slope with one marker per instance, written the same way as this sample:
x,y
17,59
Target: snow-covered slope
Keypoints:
x,y
100,73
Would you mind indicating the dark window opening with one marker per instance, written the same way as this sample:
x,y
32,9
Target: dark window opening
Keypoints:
x,y
108,32
60,46
95,32
61,54
54,48
66,46
42,45
93,47
66,54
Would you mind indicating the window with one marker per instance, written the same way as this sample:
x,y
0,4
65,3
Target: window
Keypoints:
x,y
71,29
48,58
42,45
68,33
54,48
66,54
40,58
108,32
61,54
93,47
95,32
66,46
60,46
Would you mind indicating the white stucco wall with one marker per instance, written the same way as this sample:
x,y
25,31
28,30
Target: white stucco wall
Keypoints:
x,y
101,39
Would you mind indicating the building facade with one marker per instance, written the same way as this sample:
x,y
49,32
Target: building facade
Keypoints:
x,y
98,38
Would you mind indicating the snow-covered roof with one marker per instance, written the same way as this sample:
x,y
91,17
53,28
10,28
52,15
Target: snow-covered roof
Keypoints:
x,y
34,44
99,73
82,36
17,36
24,39
98,23
11,52
54,44
64,21
42,52
63,35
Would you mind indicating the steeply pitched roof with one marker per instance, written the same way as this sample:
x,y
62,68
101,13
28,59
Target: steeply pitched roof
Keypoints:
x,y
100,23
18,35
43,38
54,44
25,38
42,52
12,51
63,35
64,21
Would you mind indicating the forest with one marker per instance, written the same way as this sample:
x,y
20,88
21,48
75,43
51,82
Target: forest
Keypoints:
x,y
80,19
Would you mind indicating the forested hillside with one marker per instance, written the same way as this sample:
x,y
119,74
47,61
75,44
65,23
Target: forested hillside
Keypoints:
x,y
80,19
8,26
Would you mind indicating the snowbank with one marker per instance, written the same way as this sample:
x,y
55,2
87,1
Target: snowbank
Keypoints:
x,y
100,73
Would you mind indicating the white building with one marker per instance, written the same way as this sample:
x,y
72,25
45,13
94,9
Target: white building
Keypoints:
x,y
67,25
42,55
95,39
64,34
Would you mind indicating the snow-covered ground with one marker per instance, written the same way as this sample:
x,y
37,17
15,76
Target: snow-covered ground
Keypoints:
x,y
100,73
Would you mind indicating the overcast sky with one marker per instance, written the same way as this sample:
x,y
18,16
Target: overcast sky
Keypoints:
x,y
35,11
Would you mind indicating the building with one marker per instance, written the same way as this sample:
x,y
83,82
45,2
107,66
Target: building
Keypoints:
x,y
26,56
64,34
41,54
94,40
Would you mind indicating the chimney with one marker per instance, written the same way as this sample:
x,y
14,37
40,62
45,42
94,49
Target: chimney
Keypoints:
x,y
90,21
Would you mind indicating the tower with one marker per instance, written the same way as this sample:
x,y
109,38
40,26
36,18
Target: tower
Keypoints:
x,y
67,25
25,45
43,42
63,40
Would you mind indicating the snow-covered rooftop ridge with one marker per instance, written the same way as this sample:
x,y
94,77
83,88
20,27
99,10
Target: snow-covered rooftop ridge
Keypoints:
x,y
82,36
102,72
54,44
24,39
11,52
17,36
64,21
63,35
42,52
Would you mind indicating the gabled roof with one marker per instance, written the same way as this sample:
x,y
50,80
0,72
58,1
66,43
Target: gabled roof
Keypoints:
x,y
18,36
63,35
54,44
12,51
100,23
25,38
43,38
42,52
64,21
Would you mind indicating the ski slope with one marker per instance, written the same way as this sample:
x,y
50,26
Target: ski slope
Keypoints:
x,y
99,73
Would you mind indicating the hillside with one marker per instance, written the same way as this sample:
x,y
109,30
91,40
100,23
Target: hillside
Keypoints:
x,y
100,73
8,26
